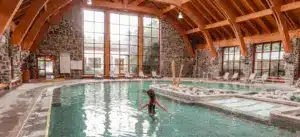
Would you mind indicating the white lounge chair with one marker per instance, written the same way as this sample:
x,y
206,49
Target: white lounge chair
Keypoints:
x,y
154,75
264,77
98,77
141,75
112,75
226,76
128,76
235,76
251,78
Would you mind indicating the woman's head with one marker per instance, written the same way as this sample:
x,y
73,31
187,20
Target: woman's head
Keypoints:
x,y
151,94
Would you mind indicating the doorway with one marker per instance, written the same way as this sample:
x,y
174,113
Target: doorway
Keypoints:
x,y
46,67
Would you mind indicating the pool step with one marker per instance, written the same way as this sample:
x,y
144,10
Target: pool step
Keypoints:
x,y
56,98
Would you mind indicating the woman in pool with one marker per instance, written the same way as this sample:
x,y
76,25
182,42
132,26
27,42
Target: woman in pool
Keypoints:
x,y
151,105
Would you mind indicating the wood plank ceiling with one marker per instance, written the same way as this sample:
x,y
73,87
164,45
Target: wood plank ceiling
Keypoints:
x,y
208,22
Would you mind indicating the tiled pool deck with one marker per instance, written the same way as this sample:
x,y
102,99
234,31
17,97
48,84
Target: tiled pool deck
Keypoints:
x,y
24,111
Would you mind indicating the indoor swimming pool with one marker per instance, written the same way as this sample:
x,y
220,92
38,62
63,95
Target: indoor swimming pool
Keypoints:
x,y
111,109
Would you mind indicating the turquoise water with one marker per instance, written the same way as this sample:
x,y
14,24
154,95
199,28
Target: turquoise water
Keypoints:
x,y
110,110
215,85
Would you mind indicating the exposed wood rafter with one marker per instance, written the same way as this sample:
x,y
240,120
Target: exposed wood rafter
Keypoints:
x,y
27,21
198,20
281,24
8,9
236,29
53,7
120,6
262,13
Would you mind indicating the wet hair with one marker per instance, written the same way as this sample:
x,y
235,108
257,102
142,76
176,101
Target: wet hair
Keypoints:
x,y
151,95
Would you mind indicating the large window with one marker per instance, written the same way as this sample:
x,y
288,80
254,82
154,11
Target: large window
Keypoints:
x,y
151,45
123,43
93,42
269,59
231,60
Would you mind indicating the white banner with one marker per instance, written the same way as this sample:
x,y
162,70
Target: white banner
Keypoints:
x,y
65,61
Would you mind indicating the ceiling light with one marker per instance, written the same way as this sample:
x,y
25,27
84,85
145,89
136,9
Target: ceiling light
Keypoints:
x,y
180,15
89,2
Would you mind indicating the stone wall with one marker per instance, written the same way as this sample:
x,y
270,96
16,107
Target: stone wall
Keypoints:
x,y
292,61
5,61
208,65
247,62
66,36
11,59
173,47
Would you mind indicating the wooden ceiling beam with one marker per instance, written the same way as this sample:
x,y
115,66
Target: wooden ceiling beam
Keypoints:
x,y
137,2
120,6
256,39
239,7
205,15
199,21
171,7
236,29
8,9
262,13
53,7
27,20
253,8
216,18
281,24
54,19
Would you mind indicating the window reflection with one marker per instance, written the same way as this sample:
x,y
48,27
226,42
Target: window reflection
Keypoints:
x,y
93,42
124,29
269,59
151,45
231,60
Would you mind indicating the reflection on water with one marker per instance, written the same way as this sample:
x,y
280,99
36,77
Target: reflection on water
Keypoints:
x,y
110,109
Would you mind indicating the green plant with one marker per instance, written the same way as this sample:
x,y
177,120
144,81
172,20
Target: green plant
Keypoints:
x,y
295,98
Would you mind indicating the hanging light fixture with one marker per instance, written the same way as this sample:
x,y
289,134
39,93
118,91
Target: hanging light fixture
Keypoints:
x,y
89,2
180,15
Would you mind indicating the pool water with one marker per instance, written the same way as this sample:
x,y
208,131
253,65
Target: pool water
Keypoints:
x,y
225,86
111,109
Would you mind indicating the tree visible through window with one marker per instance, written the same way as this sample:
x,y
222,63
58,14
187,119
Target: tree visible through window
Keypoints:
x,y
151,45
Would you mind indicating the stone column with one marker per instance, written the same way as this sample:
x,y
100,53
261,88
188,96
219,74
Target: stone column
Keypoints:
x,y
291,61
247,62
5,63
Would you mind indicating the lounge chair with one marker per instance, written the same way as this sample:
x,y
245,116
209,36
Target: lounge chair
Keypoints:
x,y
98,77
264,77
235,76
112,75
226,76
154,75
141,75
251,78
128,76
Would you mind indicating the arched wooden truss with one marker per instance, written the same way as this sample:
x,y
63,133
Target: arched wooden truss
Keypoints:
x,y
211,22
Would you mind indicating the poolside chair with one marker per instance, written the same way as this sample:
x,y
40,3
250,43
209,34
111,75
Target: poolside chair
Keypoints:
x,y
112,75
141,75
128,76
98,77
235,76
154,75
226,76
251,78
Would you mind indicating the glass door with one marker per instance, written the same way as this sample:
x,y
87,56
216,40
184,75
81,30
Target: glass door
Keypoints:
x,y
46,65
